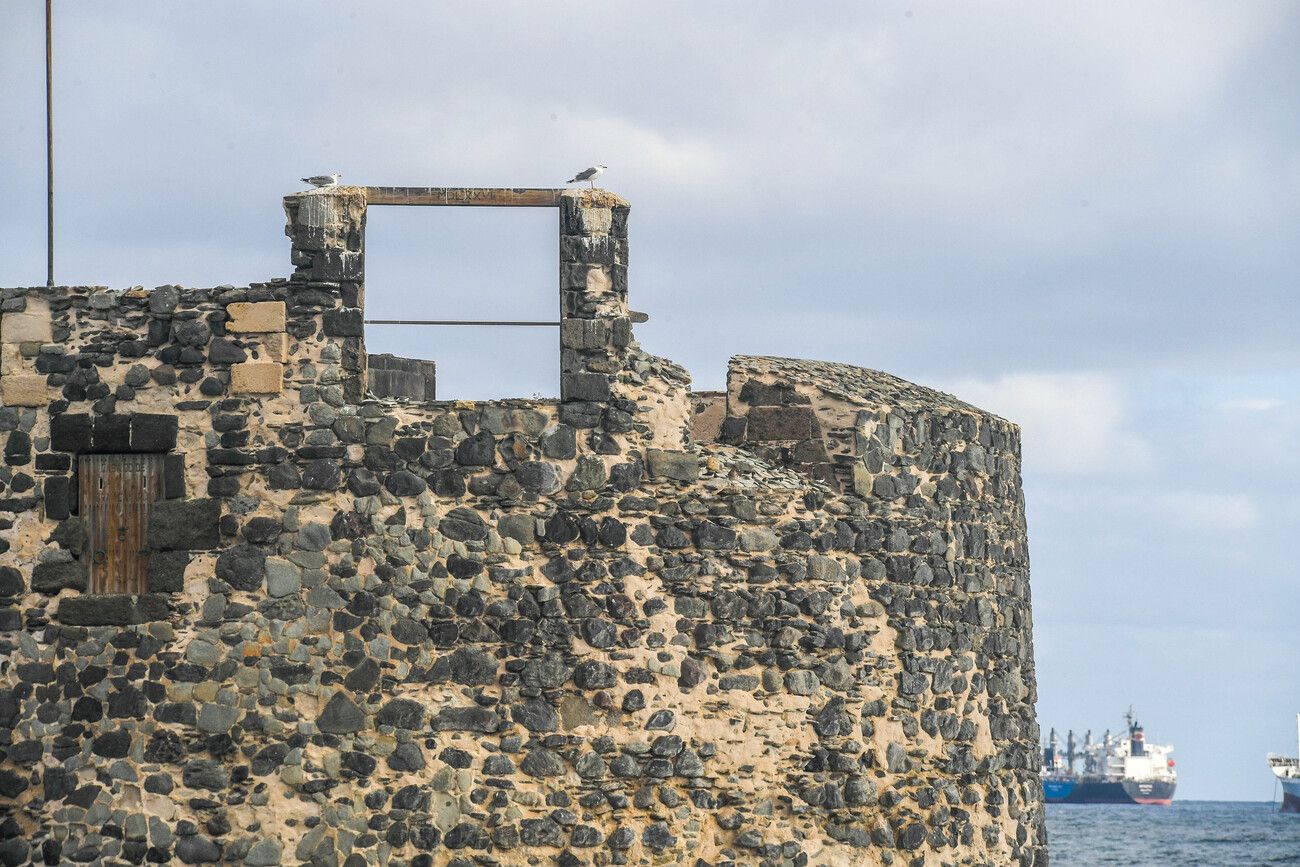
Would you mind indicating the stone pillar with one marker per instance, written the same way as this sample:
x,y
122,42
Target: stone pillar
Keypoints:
x,y
595,329
327,290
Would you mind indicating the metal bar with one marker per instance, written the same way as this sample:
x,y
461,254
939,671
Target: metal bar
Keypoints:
x,y
49,148
525,322
517,197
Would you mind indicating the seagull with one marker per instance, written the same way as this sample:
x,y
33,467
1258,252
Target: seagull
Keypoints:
x,y
323,180
588,175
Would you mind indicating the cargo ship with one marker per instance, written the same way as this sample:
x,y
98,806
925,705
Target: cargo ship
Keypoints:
x,y
1287,771
1119,770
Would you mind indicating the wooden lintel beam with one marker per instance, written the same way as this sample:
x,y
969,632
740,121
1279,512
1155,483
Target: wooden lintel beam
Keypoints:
x,y
526,322
498,197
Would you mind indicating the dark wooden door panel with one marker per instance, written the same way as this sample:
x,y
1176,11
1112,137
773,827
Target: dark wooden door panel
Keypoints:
x,y
117,496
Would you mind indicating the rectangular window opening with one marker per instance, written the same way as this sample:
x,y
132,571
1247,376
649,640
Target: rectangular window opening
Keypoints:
x,y
463,263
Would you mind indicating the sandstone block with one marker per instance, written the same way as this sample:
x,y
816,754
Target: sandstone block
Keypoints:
x,y
11,359
23,389
255,316
598,281
596,221
27,327
276,345
256,377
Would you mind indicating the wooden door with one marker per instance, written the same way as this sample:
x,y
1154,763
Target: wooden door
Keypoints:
x,y
117,495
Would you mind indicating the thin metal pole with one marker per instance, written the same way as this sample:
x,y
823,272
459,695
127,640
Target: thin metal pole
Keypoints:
x,y
49,148
526,322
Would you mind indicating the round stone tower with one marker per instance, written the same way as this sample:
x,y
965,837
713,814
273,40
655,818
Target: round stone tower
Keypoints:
x,y
260,607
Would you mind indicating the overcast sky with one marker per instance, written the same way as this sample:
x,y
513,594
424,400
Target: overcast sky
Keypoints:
x,y
1083,217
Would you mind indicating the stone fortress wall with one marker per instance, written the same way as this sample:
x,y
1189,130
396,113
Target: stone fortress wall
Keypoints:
x,y
788,625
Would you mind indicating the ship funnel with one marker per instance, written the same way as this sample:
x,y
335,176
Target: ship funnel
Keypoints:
x,y
1137,740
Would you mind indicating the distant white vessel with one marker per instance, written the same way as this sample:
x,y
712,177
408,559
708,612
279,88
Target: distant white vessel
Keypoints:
x,y
1287,770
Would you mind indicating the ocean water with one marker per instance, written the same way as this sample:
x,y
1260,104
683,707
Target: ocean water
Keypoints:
x,y
1185,834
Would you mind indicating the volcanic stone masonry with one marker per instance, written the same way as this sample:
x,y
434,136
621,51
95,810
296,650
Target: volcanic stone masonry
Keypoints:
x,y
784,625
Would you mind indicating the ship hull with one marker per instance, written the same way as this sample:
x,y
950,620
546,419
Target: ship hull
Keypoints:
x,y
1290,795
1085,791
